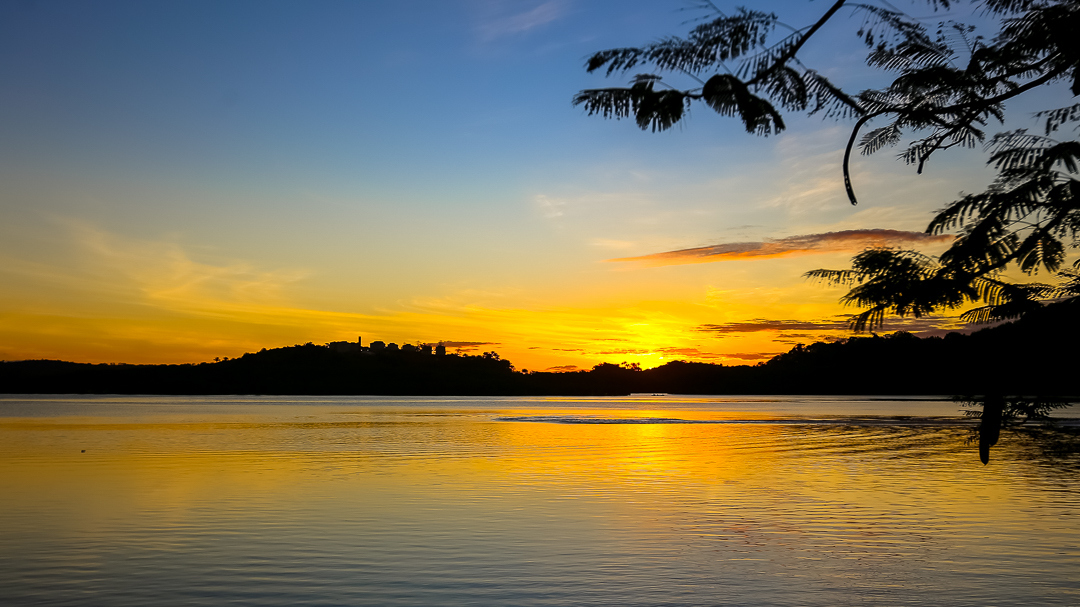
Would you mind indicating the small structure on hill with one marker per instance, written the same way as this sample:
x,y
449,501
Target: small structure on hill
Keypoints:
x,y
347,346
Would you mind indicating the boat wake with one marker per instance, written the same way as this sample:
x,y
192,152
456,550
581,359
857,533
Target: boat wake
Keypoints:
x,y
828,421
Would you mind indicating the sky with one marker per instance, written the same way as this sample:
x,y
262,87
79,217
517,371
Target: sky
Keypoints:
x,y
181,181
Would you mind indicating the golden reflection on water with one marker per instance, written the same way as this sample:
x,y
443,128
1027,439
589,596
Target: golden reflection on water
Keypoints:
x,y
416,500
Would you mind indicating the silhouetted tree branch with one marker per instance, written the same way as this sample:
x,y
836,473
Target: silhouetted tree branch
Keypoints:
x,y
948,85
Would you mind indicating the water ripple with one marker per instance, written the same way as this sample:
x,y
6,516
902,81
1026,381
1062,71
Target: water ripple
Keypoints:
x,y
471,502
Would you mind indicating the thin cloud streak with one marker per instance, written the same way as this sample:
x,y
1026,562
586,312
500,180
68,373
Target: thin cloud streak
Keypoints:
x,y
807,244
563,369
694,352
522,22
753,356
464,345
761,324
925,326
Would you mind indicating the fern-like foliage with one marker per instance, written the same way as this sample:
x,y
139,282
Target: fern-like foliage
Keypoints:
x,y
1028,216
895,281
949,83
888,281
708,45
1016,410
996,412
729,96
948,86
1058,117
1028,219
652,109
768,75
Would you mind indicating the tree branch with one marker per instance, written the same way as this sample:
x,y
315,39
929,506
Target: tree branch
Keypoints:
x,y
798,45
847,154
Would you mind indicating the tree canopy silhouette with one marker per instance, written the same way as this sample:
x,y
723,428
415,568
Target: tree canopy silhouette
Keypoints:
x,y
949,84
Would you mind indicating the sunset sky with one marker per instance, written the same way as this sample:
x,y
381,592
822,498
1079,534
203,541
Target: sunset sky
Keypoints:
x,y
186,180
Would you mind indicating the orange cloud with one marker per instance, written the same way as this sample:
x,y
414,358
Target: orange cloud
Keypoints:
x,y
563,368
807,244
925,326
761,324
753,356
692,352
465,345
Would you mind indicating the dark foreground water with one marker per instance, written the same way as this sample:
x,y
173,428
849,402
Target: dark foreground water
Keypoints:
x,y
642,501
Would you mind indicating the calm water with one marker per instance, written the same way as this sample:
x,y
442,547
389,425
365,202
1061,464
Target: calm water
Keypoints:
x,y
449,501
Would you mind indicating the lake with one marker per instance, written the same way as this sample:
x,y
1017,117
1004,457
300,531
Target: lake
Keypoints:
x,y
646,500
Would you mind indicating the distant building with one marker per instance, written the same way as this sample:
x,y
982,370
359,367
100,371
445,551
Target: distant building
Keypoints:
x,y
408,348
440,350
392,346
343,346
377,346
426,349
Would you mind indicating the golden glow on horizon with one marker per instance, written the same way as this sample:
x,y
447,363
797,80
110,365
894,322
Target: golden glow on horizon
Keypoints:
x,y
115,299
155,217
649,333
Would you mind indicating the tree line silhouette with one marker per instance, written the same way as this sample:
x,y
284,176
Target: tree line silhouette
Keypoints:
x,y
1019,358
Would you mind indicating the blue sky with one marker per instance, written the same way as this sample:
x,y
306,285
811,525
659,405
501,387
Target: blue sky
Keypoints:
x,y
180,180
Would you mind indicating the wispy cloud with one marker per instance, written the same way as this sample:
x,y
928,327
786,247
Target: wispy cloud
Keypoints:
x,y
563,368
691,352
617,351
700,356
925,326
550,207
761,324
167,276
752,356
808,244
466,345
508,25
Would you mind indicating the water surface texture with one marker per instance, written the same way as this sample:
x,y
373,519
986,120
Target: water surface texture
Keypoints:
x,y
464,501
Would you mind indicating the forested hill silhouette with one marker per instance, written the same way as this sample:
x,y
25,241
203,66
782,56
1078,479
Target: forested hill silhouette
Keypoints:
x,y
1036,355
